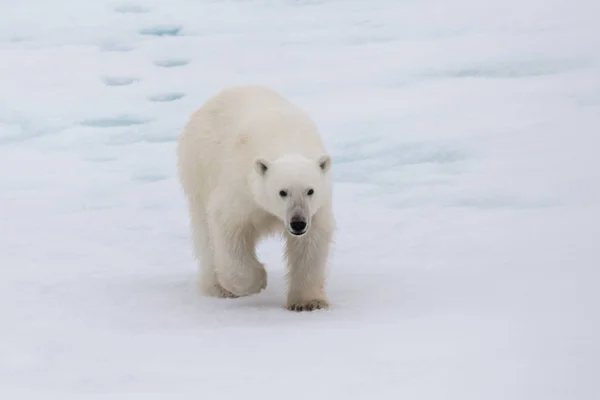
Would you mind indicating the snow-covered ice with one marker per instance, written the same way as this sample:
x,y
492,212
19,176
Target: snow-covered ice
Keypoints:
x,y
465,136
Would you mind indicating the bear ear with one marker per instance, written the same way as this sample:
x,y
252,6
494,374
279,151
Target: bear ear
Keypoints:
x,y
261,165
325,163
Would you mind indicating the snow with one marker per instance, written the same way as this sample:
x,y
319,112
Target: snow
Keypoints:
x,y
465,136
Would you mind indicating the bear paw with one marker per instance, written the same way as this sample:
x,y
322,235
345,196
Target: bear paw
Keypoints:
x,y
216,290
245,283
308,305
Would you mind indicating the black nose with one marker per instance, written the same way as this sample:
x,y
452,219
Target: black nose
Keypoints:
x,y
298,226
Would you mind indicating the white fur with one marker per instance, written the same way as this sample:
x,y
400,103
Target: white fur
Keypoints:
x,y
235,155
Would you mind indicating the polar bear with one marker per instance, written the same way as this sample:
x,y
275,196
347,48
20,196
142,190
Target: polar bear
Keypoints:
x,y
252,164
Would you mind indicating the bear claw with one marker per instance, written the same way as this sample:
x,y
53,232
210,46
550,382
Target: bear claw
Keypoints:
x,y
309,305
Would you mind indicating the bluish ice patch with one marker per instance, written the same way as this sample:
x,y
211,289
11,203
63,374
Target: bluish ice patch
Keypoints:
x,y
121,120
165,137
165,97
119,80
11,132
18,39
170,63
147,136
118,47
508,70
23,130
379,162
150,178
166,30
399,153
131,9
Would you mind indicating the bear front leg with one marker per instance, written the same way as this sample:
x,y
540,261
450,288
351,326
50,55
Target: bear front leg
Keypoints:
x,y
307,260
237,268
207,279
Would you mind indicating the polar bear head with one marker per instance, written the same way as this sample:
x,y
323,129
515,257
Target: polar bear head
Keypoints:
x,y
292,188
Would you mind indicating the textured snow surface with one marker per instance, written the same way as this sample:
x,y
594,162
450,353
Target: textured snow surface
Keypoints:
x,y
465,136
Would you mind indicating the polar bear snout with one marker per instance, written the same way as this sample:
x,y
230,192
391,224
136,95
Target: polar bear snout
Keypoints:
x,y
298,225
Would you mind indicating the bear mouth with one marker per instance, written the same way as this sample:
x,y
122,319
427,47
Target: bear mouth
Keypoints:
x,y
296,233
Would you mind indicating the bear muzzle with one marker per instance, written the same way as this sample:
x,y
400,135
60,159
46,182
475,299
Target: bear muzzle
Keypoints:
x,y
298,226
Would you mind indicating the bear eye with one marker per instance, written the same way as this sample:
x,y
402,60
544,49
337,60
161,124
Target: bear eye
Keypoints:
x,y
282,193
310,192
